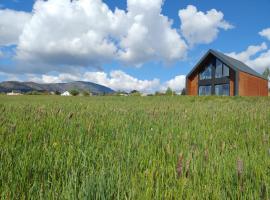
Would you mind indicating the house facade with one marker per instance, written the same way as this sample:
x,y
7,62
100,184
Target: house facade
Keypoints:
x,y
219,74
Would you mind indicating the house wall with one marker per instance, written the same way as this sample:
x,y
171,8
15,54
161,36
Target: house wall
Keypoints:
x,y
192,85
232,82
252,86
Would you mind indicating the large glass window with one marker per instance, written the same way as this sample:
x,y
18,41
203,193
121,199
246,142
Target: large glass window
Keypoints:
x,y
222,70
222,90
207,73
218,69
205,90
226,71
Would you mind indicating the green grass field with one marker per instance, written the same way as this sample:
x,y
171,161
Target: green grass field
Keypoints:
x,y
134,147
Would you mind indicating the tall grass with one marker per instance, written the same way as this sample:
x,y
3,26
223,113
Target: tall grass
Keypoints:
x,y
134,148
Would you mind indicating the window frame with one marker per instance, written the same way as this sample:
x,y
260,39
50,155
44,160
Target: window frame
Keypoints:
x,y
205,90
223,66
222,85
208,66
214,81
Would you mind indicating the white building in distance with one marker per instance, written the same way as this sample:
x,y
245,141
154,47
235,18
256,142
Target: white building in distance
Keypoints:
x,y
66,93
13,94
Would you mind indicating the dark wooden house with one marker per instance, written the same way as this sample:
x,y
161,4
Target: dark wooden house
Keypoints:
x,y
219,74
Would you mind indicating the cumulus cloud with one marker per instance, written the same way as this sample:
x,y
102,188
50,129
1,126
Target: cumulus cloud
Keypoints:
x,y
177,83
116,79
150,35
11,25
265,33
250,51
199,27
119,80
60,35
254,56
67,33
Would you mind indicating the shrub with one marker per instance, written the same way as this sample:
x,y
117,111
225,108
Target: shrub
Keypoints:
x,y
74,92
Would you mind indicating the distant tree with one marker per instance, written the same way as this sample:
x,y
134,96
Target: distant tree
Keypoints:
x,y
183,91
158,93
135,93
169,92
86,93
33,93
74,92
266,73
57,93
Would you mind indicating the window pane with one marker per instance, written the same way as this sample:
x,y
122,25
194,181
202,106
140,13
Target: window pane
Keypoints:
x,y
226,71
205,90
217,90
218,69
207,73
226,90
223,89
200,90
208,90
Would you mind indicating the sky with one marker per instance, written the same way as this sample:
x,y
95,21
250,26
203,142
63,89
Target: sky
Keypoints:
x,y
145,45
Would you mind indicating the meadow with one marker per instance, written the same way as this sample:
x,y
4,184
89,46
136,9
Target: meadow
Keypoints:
x,y
134,147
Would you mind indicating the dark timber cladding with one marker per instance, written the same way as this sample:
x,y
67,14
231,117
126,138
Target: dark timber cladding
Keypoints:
x,y
219,74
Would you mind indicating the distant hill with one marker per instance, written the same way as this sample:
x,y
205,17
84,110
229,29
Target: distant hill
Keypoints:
x,y
9,86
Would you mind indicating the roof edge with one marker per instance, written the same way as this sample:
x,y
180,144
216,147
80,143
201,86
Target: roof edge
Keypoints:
x,y
216,54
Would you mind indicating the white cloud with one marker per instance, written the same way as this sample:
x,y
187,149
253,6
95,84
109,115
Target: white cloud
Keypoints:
x,y
11,26
150,35
67,33
265,33
199,27
244,56
177,83
254,56
117,80
62,32
61,35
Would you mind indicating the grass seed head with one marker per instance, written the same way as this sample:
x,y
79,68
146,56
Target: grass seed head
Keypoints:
x,y
206,154
179,167
70,115
240,167
188,167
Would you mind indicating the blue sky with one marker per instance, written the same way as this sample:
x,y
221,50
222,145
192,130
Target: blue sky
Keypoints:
x,y
238,25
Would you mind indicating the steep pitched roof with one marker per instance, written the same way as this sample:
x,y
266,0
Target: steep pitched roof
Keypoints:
x,y
231,62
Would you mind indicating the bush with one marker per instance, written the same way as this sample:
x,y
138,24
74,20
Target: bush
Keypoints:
x,y
74,92
184,92
86,93
57,93
169,92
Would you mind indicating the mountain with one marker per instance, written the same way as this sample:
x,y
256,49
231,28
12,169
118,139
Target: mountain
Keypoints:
x,y
9,86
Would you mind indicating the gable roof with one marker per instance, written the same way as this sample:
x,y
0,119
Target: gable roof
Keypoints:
x,y
231,62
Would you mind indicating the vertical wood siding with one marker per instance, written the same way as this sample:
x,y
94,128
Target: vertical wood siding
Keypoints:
x,y
252,86
192,85
232,82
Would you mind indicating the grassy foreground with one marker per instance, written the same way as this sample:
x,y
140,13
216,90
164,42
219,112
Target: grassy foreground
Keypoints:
x,y
134,147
